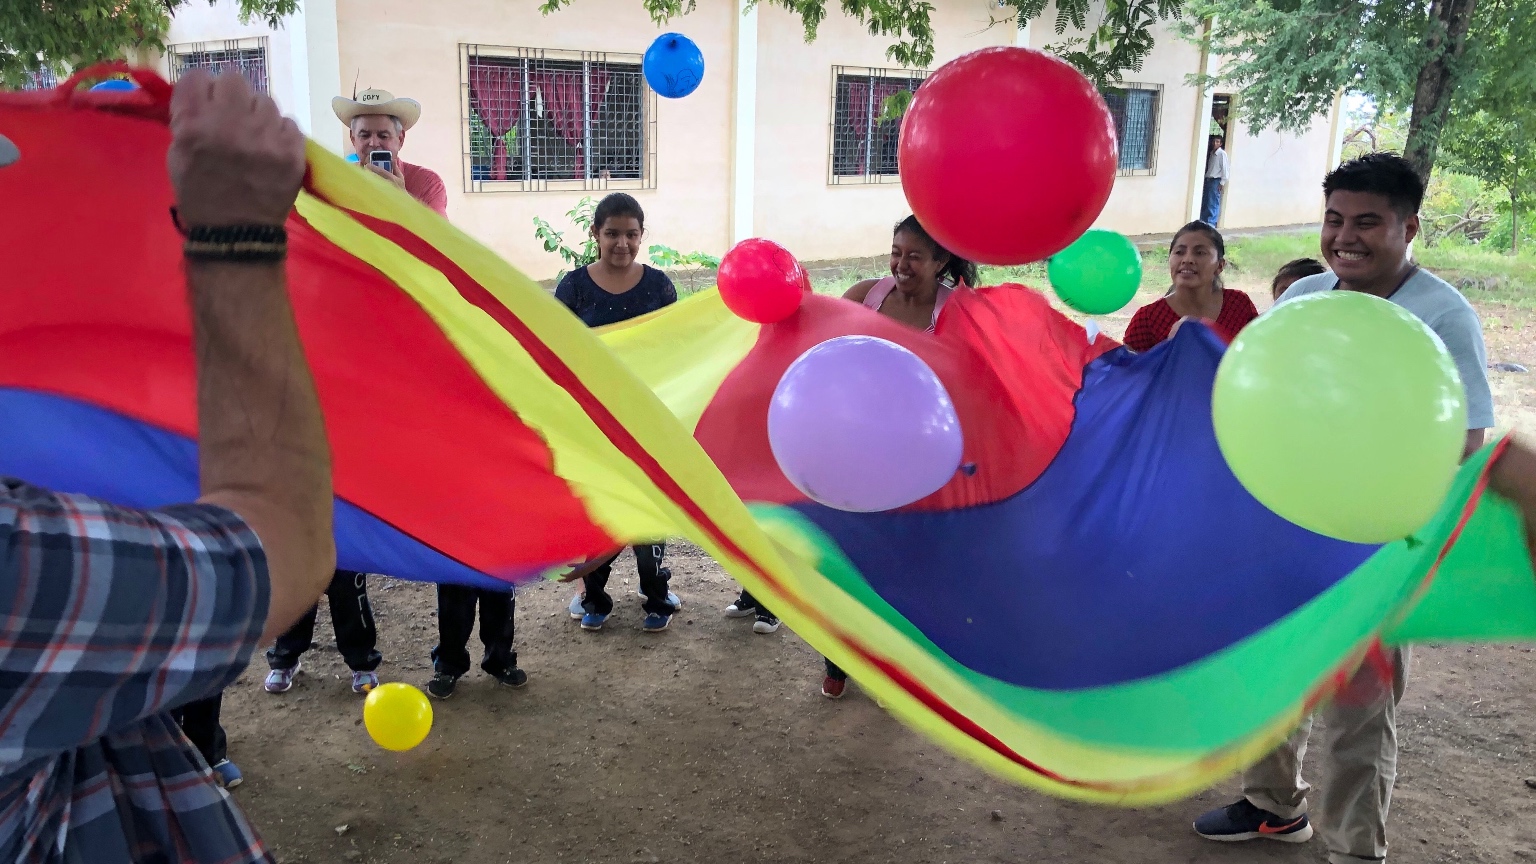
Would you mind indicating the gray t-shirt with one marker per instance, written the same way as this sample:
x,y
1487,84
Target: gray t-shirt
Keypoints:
x,y
1440,306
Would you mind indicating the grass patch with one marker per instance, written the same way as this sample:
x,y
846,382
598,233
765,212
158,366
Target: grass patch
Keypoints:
x,y
1484,275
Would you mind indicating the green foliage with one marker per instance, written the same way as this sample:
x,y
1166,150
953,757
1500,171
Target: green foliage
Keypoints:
x,y
668,258
1118,43
64,34
696,267
554,241
1290,58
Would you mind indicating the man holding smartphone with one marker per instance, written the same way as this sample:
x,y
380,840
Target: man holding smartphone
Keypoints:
x,y
379,122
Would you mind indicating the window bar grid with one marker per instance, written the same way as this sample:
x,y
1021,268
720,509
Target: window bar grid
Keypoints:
x,y
863,147
583,120
247,56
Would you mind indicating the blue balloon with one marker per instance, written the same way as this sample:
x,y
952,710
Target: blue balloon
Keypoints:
x,y
673,65
119,84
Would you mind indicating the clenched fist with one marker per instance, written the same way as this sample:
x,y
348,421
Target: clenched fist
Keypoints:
x,y
234,160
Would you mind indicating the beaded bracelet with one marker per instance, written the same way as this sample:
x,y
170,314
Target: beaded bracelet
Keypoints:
x,y
235,243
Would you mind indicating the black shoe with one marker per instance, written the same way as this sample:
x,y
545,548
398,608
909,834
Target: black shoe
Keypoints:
x,y
442,684
513,677
1244,821
743,607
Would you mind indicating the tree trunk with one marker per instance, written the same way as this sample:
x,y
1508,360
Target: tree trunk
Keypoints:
x,y
1447,38
1514,222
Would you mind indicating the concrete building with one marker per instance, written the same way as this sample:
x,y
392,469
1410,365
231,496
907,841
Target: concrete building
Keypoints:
x,y
524,114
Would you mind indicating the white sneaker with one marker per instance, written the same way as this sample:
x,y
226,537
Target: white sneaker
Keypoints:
x,y
765,624
737,609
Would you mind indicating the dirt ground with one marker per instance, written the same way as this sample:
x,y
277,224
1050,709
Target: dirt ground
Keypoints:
x,y
711,743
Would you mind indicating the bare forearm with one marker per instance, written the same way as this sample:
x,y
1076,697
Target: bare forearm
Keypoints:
x,y
1514,477
263,451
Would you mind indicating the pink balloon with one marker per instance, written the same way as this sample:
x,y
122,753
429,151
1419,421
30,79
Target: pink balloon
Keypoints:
x,y
862,424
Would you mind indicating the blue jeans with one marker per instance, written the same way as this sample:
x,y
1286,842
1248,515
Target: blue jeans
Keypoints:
x,y
1210,202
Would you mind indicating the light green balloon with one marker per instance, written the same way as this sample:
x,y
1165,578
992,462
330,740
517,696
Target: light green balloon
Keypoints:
x,y
1098,274
1342,413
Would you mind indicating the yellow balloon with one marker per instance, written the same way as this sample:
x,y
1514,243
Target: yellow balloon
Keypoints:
x,y
398,716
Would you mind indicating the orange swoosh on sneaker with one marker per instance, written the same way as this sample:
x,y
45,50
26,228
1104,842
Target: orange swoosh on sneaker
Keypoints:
x,y
1266,828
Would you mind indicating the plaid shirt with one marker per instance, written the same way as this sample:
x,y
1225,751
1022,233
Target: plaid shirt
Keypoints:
x,y
109,618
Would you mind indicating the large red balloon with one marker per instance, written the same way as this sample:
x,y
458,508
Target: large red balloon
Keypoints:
x,y
761,281
1007,155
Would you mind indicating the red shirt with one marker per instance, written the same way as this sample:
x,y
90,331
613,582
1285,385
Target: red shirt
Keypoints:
x,y
425,186
1151,323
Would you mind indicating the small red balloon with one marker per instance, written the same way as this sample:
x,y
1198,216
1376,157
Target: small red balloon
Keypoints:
x,y
761,281
1007,155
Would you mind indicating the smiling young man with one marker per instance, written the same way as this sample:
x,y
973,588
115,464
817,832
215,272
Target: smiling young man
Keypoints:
x,y
1371,218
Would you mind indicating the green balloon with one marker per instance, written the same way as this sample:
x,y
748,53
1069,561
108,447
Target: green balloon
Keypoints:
x,y
1342,413
1098,274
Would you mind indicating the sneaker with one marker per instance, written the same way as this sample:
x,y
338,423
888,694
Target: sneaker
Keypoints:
x,y
576,609
655,623
593,621
228,774
442,684
765,624
364,682
1244,821
740,609
833,688
514,679
281,680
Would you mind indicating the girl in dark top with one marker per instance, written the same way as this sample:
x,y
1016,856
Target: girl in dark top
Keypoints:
x,y
617,287
1196,258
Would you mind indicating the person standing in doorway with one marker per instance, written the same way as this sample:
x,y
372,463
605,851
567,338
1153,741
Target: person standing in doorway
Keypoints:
x,y
1217,171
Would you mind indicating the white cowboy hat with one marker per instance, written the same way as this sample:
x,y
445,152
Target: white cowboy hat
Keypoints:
x,y
407,111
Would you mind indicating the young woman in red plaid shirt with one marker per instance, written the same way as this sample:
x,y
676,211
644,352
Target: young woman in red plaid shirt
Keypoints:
x,y
1196,258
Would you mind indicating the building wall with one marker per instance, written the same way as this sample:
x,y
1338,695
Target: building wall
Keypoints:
x,y
1277,178
795,205
412,49
200,22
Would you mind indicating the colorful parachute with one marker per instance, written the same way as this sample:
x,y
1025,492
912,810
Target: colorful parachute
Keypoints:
x,y
1095,607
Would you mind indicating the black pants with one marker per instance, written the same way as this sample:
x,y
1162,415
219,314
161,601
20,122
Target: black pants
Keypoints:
x,y
653,582
352,618
200,723
834,671
456,621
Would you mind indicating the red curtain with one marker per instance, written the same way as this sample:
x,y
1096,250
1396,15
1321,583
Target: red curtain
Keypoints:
x,y
562,100
863,111
496,94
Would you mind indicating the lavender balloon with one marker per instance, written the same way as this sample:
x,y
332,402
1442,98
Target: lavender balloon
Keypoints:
x,y
862,424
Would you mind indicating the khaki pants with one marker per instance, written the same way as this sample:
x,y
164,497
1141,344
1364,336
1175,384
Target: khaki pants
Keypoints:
x,y
1360,755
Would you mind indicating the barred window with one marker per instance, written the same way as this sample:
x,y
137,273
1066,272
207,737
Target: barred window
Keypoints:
x,y
863,145
41,79
537,119
1135,108
246,56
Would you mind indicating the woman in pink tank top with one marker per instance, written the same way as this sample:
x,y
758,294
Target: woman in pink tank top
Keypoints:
x,y
923,274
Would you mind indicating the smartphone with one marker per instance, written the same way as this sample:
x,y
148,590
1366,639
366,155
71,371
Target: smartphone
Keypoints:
x,y
384,159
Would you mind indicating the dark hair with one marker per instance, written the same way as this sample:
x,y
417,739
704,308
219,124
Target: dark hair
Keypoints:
x,y
1208,231
1386,174
956,269
1298,269
614,205
1220,244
